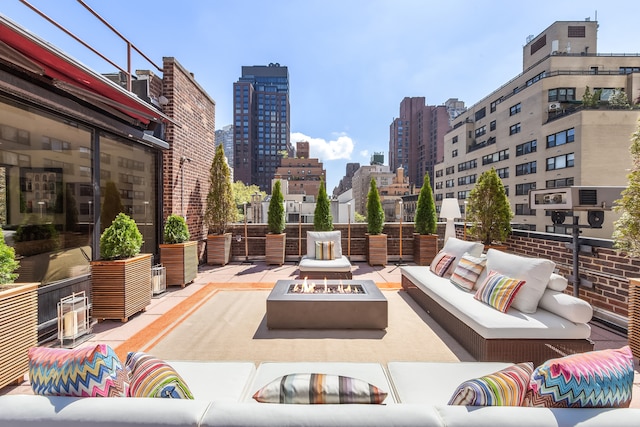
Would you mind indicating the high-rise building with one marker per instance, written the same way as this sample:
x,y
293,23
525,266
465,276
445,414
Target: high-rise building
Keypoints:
x,y
362,180
224,136
261,123
302,173
539,130
346,181
416,137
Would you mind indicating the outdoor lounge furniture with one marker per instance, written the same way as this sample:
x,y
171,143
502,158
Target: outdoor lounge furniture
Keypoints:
x,y
313,268
418,393
554,323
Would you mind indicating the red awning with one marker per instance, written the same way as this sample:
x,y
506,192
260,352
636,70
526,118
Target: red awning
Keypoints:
x,y
59,66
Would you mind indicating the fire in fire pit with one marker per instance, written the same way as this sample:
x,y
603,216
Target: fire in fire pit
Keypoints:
x,y
324,288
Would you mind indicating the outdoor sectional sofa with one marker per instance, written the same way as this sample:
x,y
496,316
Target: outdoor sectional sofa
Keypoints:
x,y
337,266
418,393
543,322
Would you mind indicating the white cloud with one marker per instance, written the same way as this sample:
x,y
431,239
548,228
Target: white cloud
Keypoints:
x,y
364,153
339,148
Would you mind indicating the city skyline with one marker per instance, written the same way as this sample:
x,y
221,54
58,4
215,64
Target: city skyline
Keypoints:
x,y
350,63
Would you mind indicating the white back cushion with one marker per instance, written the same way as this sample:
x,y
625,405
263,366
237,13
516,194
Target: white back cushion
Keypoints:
x,y
534,271
323,236
457,248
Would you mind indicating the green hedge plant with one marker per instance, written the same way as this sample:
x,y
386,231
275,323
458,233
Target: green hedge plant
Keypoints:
x,y
8,262
426,217
488,209
176,230
275,215
121,239
322,219
375,213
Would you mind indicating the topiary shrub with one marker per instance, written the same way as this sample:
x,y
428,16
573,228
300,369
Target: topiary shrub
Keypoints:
x,y
221,208
275,215
322,219
176,229
488,209
426,219
121,239
375,213
8,262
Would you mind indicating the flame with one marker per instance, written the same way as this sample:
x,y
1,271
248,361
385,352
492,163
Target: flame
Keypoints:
x,y
325,285
348,289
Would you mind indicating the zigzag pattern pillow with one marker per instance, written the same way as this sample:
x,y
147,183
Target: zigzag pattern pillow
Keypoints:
x,y
506,387
82,372
152,377
595,379
319,388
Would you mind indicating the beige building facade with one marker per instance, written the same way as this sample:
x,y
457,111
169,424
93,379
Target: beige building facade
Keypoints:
x,y
536,132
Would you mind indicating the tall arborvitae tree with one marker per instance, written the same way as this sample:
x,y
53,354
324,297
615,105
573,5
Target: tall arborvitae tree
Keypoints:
x,y
488,209
375,213
322,219
626,234
221,208
275,215
426,217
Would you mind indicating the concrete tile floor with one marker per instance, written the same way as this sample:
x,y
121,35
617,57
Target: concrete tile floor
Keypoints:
x,y
114,333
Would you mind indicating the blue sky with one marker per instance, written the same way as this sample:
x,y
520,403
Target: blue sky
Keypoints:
x,y
351,62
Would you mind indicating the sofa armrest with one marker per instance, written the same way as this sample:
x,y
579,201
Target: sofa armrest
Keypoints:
x,y
567,306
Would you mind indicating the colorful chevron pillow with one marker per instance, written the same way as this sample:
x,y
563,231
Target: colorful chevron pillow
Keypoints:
x,y
152,377
595,379
498,291
84,372
506,387
319,388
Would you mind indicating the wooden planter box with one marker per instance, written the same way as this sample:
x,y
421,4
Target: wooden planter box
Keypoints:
x,y
218,249
425,248
18,329
275,248
377,249
634,316
120,288
180,261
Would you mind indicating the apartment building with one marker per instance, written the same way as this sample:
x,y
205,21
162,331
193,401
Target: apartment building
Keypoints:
x,y
302,173
537,133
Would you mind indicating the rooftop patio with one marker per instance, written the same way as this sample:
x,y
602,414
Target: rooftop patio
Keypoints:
x,y
259,276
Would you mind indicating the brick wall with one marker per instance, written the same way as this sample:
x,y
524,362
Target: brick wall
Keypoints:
x,y
194,137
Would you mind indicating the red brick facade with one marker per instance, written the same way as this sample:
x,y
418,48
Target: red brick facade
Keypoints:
x,y
192,136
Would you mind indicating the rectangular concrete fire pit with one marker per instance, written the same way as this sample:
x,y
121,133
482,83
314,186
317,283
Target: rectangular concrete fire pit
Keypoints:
x,y
327,307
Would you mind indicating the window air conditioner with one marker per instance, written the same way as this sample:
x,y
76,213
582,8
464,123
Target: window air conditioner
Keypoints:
x,y
554,106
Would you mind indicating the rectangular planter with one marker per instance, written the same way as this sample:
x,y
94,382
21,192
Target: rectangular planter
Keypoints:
x,y
218,249
120,288
180,261
18,329
425,248
377,249
275,248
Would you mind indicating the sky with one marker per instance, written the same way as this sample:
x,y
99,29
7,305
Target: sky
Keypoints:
x,y
350,62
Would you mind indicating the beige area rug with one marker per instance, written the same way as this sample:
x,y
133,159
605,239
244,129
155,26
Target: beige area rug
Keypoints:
x,y
231,325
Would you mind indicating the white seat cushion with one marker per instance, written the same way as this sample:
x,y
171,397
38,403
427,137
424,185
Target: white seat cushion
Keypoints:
x,y
309,263
216,381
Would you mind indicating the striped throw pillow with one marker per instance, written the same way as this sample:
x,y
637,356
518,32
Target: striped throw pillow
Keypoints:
x,y
325,250
319,388
498,291
595,379
152,377
507,387
93,371
442,264
467,271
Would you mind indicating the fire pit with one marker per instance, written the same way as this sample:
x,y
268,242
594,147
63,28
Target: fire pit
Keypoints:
x,y
326,304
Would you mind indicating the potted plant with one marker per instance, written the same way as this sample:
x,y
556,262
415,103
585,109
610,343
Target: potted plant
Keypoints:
x,y
626,236
178,255
121,279
18,318
425,239
221,210
276,239
488,210
376,241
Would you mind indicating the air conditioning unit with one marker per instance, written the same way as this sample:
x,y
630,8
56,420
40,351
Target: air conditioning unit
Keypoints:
x,y
577,198
554,106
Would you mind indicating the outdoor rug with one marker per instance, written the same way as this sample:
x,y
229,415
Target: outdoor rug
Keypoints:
x,y
222,323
